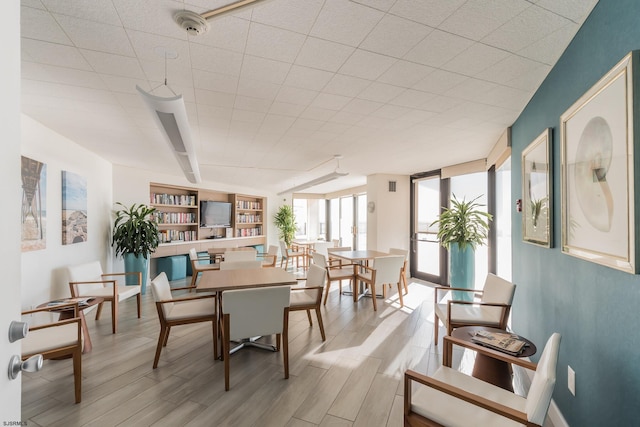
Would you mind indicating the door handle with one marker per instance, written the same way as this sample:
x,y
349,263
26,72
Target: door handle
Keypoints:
x,y
32,364
17,330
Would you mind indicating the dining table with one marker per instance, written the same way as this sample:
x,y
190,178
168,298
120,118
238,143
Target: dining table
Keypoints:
x,y
357,257
219,281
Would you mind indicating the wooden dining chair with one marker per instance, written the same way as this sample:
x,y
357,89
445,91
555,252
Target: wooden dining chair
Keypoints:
x,y
269,258
383,270
198,265
56,340
181,311
337,271
255,312
405,254
309,296
88,280
240,255
288,253
240,265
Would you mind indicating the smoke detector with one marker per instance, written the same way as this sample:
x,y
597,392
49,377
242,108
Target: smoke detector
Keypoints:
x,y
191,22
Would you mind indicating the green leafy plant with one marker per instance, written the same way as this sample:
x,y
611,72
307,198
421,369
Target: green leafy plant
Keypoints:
x,y
135,230
285,220
537,207
463,223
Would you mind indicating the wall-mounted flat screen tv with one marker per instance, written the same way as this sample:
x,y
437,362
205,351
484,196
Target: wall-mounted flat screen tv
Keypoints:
x,y
215,214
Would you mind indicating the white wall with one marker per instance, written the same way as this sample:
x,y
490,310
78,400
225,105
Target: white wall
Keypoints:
x,y
43,271
388,225
10,213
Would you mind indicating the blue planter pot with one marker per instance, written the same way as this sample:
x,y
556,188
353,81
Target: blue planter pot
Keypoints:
x,y
134,263
462,271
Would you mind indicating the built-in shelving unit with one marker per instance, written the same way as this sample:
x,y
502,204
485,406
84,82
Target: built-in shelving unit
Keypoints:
x,y
178,215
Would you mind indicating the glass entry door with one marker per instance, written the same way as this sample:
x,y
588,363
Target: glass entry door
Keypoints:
x,y
426,253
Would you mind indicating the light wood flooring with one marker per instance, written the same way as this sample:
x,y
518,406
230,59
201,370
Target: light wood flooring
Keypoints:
x,y
354,378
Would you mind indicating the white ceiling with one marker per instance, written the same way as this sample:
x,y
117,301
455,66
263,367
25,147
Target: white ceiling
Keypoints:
x,y
274,91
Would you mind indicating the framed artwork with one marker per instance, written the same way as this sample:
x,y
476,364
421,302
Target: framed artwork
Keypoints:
x,y
33,215
536,191
74,208
597,171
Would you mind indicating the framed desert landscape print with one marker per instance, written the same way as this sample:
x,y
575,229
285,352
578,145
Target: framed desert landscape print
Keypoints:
x,y
536,191
597,134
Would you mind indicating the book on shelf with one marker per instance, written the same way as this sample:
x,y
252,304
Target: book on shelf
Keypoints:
x,y
506,342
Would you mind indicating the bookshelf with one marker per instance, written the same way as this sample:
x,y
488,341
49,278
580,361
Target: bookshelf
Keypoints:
x,y
248,215
177,212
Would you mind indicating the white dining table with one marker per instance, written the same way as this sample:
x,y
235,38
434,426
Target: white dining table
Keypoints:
x,y
358,257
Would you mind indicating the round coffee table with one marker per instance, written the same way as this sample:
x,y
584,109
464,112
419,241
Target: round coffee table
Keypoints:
x,y
487,368
67,313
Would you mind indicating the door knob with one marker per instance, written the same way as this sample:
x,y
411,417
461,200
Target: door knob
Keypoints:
x,y
32,364
17,330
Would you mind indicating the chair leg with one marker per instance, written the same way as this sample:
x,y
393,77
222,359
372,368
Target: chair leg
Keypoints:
x,y
400,294
372,287
320,324
215,338
114,315
139,298
194,279
285,343
162,341
326,292
77,373
225,349
166,336
99,311
436,322
309,317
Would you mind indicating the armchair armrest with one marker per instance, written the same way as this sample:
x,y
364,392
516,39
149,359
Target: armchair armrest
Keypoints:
x,y
73,286
459,393
129,273
189,298
447,289
55,308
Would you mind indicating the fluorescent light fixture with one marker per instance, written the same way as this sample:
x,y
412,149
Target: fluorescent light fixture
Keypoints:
x,y
171,116
320,180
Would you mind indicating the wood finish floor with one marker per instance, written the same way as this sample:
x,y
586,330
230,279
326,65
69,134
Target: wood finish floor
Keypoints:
x,y
354,378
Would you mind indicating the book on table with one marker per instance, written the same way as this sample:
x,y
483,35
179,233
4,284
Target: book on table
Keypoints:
x,y
506,342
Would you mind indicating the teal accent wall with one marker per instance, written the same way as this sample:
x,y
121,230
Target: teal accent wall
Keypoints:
x,y
596,309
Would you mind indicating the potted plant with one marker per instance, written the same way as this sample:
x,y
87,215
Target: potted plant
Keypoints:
x,y
461,228
286,222
135,236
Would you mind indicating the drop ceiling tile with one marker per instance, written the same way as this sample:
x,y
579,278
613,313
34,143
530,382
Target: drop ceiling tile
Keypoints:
x,y
575,10
96,36
40,25
346,85
286,109
316,113
548,49
116,65
252,104
214,81
273,43
98,11
405,74
330,102
207,114
440,103
37,4
294,95
412,98
507,97
258,89
323,55
216,60
335,127
395,36
262,69
366,65
525,29
347,117
476,60
151,46
345,22
292,15
390,112
438,48
176,72
151,16
362,106
122,84
475,19
439,82
213,98
531,79
508,69
301,125
228,33
247,116
307,78
53,54
74,93
65,76
380,92
429,12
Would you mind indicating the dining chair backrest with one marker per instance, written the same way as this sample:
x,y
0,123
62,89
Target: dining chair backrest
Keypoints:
x,y
240,265
319,259
284,249
388,268
397,251
87,272
338,248
316,276
161,291
193,254
255,311
240,255
543,383
322,247
497,290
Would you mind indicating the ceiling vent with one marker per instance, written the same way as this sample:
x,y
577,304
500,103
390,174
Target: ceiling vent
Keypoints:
x,y
191,22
